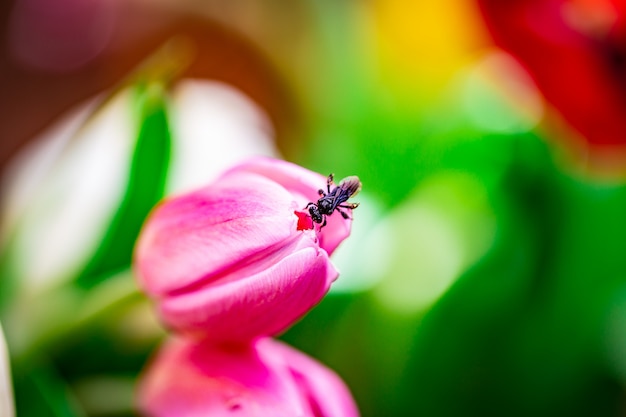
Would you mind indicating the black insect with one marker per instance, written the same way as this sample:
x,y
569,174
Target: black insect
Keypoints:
x,y
334,199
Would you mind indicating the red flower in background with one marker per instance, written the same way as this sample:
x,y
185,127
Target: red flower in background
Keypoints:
x,y
576,52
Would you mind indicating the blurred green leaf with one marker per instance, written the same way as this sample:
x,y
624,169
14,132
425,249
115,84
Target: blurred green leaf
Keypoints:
x,y
521,333
8,282
41,392
67,313
146,183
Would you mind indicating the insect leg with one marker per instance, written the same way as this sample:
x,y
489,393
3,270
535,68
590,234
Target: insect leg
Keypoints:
x,y
324,223
343,213
329,181
321,193
349,205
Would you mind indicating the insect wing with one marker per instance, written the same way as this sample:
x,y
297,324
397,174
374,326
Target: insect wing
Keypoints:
x,y
350,186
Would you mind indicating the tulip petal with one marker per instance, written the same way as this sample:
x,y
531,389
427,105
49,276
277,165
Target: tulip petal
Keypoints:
x,y
200,379
191,378
260,300
201,235
303,185
327,394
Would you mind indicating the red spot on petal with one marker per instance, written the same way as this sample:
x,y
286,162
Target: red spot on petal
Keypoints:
x,y
304,220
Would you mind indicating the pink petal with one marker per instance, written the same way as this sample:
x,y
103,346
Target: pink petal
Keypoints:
x,y
189,378
327,394
303,185
199,379
262,299
199,236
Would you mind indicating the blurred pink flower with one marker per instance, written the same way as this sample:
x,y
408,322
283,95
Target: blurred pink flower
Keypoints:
x,y
266,378
237,259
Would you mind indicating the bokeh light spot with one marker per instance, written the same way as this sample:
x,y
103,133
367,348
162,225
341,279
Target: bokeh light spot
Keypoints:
x,y
443,228
60,36
499,96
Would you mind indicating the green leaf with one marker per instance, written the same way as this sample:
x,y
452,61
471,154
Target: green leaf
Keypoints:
x,y
145,187
41,392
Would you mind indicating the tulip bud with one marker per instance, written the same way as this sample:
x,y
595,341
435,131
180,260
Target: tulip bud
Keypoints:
x,y
266,378
234,260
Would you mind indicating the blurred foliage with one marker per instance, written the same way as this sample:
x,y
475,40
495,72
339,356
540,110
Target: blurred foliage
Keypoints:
x,y
74,338
146,183
499,280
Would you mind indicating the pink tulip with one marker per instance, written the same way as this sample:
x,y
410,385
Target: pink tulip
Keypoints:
x,y
265,378
239,259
